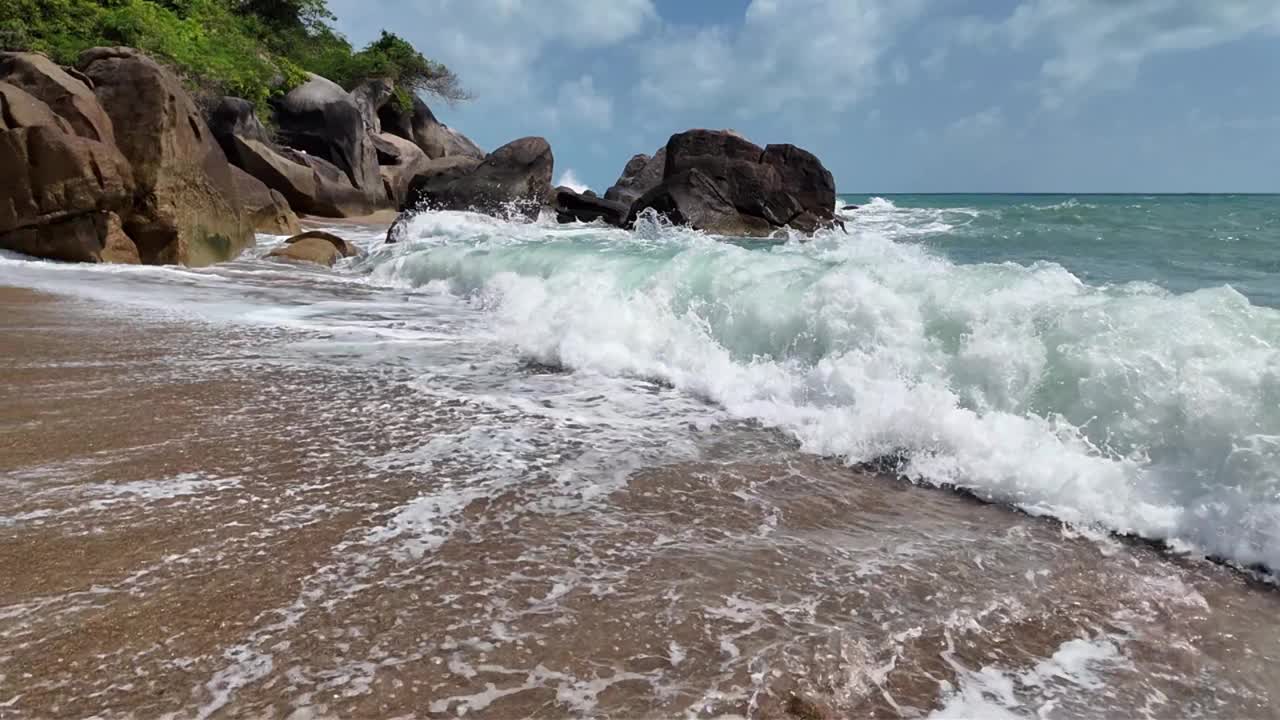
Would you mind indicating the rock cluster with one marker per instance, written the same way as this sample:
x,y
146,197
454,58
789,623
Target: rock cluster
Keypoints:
x,y
113,161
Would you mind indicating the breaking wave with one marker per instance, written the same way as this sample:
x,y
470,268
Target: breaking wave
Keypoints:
x,y
1125,407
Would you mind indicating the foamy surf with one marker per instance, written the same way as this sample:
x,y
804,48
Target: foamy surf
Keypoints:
x,y
1128,408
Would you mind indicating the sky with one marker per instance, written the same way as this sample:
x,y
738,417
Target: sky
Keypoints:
x,y
892,95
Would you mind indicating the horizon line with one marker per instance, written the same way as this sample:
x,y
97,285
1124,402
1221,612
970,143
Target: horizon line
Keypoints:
x,y
1065,192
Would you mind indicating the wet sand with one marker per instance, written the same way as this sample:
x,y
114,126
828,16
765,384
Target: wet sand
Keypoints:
x,y
190,525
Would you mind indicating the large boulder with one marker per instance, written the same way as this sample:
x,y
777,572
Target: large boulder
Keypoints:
x,y
516,176
369,96
309,184
399,161
231,117
186,209
322,120
267,210
642,174
68,94
572,206
717,181
62,192
420,125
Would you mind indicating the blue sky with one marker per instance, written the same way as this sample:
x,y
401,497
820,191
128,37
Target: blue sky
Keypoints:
x,y
893,95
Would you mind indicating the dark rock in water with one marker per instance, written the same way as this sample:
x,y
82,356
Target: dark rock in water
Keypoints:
x,y
700,201
186,207
516,175
398,229
232,116
420,125
399,162
573,206
321,119
268,210
642,174
68,93
62,192
718,181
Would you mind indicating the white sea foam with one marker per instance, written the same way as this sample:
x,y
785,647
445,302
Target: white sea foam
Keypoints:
x,y
1128,408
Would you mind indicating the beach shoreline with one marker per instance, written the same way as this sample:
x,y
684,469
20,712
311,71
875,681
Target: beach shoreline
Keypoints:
x,y
193,502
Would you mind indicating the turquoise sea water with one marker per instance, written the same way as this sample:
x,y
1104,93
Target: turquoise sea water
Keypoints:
x,y
1179,242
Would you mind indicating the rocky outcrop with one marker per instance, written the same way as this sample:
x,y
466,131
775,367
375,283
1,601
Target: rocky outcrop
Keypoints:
x,y
368,97
233,117
68,95
266,209
322,120
420,125
315,246
62,192
717,181
515,177
399,162
574,206
310,185
186,209
642,174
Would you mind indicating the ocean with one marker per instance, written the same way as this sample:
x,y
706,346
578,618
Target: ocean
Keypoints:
x,y
972,456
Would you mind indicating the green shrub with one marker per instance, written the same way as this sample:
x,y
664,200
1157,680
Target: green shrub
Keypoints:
x,y
253,49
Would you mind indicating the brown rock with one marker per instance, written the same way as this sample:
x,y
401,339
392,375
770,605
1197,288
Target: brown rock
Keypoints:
x,y
266,209
91,237
68,93
60,193
19,109
310,185
322,120
231,117
400,161
368,97
186,209
420,125
61,190
308,250
344,246
117,247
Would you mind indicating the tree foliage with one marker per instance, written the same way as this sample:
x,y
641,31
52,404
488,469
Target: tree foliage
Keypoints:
x,y
249,48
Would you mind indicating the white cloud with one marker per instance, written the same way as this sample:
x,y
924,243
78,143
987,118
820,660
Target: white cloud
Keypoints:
x,y
581,103
570,180
494,45
808,54
978,125
1102,44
